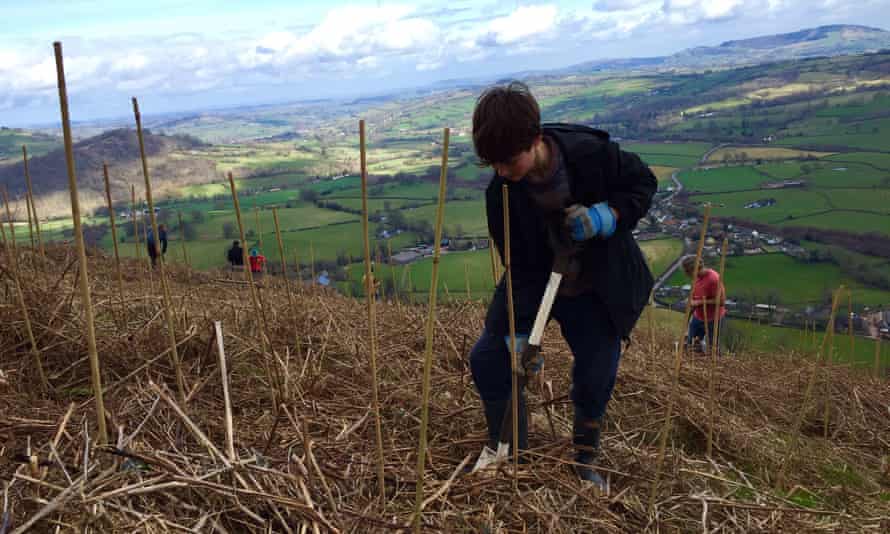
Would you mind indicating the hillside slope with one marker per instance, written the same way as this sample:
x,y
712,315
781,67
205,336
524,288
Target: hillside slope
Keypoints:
x,y
313,460
120,149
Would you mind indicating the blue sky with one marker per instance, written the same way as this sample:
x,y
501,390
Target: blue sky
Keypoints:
x,y
181,55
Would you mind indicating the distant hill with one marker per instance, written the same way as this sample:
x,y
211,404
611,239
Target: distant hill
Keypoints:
x,y
12,139
834,40
120,149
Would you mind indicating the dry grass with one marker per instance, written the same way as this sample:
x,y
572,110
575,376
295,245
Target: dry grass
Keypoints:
x,y
310,466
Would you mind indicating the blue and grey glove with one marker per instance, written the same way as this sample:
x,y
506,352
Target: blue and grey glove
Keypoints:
x,y
521,342
586,223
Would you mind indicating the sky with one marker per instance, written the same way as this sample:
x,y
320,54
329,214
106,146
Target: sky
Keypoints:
x,y
181,55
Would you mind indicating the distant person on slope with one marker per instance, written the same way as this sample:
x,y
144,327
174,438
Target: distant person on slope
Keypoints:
x,y
257,262
152,247
574,198
708,299
235,255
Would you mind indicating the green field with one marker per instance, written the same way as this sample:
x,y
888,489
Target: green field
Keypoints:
x,y
789,282
660,253
744,336
468,214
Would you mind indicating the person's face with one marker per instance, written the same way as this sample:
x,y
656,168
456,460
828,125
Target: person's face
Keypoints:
x,y
688,271
519,165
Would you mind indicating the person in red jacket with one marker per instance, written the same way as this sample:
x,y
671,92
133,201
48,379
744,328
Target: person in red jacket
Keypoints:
x,y
708,299
257,262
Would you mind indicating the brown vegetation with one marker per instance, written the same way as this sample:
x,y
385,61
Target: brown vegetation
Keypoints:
x,y
312,462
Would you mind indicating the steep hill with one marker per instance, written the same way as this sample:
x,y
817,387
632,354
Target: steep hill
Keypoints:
x,y
120,149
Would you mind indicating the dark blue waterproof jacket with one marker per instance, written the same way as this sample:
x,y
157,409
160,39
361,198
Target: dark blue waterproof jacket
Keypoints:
x,y
598,171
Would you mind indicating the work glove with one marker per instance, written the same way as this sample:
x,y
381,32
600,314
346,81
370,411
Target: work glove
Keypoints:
x,y
586,223
521,342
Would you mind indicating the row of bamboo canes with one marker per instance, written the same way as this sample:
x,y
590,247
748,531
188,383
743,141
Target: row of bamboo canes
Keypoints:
x,y
277,388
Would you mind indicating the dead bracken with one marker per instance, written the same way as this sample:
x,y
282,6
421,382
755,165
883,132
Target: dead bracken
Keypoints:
x,y
311,464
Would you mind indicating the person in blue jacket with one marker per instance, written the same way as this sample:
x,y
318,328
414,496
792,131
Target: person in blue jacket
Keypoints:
x,y
574,199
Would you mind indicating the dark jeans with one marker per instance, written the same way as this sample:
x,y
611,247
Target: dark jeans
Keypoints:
x,y
697,331
595,346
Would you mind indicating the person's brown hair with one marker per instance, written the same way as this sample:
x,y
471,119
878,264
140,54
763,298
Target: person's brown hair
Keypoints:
x,y
506,121
689,264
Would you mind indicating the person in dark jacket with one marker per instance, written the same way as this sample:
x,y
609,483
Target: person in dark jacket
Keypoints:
x,y
153,249
574,198
236,255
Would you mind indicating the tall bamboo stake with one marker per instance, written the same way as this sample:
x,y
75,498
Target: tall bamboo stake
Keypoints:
x,y
850,323
467,279
168,300
312,263
117,258
678,363
259,231
430,324
877,355
372,319
514,363
95,373
666,426
494,277
721,294
274,381
30,221
31,196
20,295
224,374
808,393
185,254
649,313
135,222
290,294
392,273
827,363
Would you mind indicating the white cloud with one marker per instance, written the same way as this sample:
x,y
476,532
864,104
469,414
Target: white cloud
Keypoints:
x,y
523,23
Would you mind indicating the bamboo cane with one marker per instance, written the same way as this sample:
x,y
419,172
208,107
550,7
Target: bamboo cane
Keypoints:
x,y
135,223
798,422
259,231
13,261
514,364
850,324
95,373
290,294
30,222
410,284
649,313
274,382
467,279
715,350
666,427
299,272
392,273
494,277
185,254
372,319
827,363
31,196
117,258
877,369
430,324
168,300
224,374
311,263
678,362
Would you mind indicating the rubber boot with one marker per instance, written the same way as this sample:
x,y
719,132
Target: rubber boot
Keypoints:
x,y
494,416
587,446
